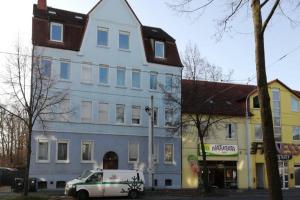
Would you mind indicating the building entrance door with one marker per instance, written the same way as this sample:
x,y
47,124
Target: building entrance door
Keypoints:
x,y
283,173
297,176
110,160
259,175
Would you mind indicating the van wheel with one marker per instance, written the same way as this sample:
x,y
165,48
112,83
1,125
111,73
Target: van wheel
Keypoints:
x,y
133,194
82,195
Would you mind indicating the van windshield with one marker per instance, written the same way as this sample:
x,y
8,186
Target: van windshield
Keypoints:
x,y
85,174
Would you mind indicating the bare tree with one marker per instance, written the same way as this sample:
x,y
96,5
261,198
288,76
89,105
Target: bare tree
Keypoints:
x,y
198,104
268,9
29,94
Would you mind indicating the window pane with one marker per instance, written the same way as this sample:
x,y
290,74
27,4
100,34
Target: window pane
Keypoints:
x,y
159,50
136,111
155,112
62,151
46,68
168,85
102,37
295,105
133,152
87,74
56,33
168,117
136,79
231,133
86,111
103,75
121,77
153,81
103,112
169,153
120,109
86,151
124,40
65,71
255,102
43,151
296,133
64,110
276,95
258,132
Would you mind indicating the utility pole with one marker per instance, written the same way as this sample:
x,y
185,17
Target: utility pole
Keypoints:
x,y
150,111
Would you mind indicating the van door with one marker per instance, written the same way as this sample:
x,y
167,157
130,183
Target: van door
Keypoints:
x,y
94,185
115,184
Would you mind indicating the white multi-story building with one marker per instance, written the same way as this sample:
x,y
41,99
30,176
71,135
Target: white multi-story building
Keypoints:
x,y
111,65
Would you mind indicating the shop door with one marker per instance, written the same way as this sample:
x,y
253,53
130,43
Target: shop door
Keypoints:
x,y
259,176
297,176
283,173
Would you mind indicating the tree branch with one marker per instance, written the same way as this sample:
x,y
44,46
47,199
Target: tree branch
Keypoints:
x,y
265,24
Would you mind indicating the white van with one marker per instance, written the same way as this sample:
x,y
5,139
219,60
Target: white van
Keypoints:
x,y
106,183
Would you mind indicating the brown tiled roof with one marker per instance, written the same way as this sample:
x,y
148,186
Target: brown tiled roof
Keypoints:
x,y
214,98
150,35
74,30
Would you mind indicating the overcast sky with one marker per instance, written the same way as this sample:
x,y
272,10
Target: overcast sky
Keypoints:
x,y
235,50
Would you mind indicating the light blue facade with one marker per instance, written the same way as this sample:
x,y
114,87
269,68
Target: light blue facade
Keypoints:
x,y
109,136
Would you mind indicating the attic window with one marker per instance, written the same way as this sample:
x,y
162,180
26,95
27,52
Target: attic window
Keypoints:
x,y
52,12
159,49
78,17
56,32
154,30
255,102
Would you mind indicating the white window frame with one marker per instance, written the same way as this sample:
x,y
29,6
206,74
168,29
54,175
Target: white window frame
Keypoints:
x,y
294,128
51,67
156,74
294,101
164,53
132,107
135,71
104,67
86,65
91,114
104,30
99,106
173,156
65,141
166,78
124,70
262,136
61,34
70,70
156,146
165,124
64,117
92,143
138,152
119,123
42,140
124,33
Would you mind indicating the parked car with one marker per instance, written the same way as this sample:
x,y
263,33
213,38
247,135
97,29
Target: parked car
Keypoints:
x,y
106,183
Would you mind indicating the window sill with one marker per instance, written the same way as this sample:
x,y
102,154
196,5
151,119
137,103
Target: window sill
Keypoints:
x,y
159,58
87,162
103,46
136,125
133,162
65,80
43,161
230,139
119,124
155,91
103,84
169,163
62,161
56,41
121,87
86,83
124,50
137,89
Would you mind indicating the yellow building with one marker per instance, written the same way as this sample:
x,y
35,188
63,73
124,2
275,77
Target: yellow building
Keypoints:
x,y
235,157
225,143
286,118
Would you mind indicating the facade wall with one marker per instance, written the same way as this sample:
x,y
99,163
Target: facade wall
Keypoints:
x,y
111,135
217,136
289,119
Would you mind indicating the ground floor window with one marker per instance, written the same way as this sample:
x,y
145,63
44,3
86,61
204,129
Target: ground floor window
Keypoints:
x,y
87,151
168,182
60,184
62,151
222,174
43,150
42,185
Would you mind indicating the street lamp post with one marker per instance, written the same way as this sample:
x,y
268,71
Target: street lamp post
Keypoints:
x,y
150,111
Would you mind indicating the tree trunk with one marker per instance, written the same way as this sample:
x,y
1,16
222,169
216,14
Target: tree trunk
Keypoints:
x,y
204,166
270,152
28,141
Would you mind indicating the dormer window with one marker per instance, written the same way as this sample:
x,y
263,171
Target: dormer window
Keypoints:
x,y
56,32
159,49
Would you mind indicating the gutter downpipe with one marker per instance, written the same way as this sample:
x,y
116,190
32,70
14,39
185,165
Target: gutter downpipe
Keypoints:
x,y
248,143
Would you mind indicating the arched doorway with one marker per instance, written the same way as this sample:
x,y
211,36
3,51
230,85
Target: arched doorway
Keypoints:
x,y
110,160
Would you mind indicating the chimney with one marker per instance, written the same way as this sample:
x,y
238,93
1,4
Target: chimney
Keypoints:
x,y
42,4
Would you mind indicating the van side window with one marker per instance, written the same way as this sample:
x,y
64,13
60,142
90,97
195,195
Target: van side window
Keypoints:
x,y
97,177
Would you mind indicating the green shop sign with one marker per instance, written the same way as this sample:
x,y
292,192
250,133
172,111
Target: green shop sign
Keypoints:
x,y
221,150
